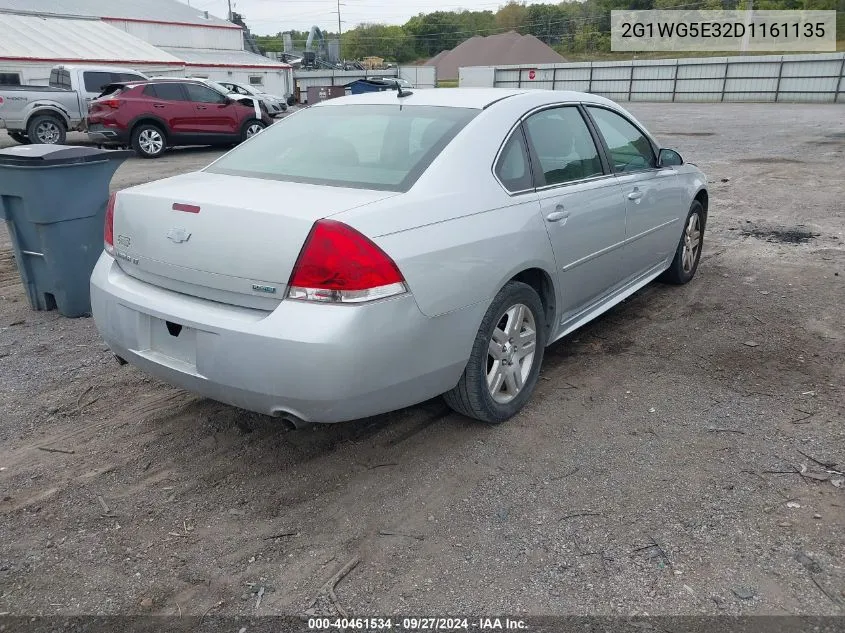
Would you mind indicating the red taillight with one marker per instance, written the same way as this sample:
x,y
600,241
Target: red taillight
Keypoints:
x,y
108,229
110,103
338,264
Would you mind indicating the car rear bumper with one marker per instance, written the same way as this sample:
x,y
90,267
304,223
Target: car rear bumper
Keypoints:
x,y
320,363
101,134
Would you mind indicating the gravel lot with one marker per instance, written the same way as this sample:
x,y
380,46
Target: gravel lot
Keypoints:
x,y
673,461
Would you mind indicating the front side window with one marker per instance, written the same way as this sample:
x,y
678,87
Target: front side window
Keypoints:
x,y
629,149
513,168
382,147
203,94
563,144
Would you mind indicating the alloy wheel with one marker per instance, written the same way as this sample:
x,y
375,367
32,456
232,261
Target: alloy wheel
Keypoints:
x,y
692,243
48,132
151,141
510,353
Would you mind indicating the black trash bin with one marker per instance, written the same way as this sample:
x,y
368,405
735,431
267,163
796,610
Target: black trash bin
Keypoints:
x,y
53,199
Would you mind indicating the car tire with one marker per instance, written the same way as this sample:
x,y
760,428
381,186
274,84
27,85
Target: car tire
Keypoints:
x,y
250,129
515,313
291,100
688,254
19,137
45,129
149,140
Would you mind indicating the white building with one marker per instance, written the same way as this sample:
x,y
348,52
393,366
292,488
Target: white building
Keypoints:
x,y
152,36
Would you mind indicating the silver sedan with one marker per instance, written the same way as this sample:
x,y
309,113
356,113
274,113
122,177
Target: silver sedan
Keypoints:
x,y
371,252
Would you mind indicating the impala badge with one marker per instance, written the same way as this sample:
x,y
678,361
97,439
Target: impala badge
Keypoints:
x,y
178,235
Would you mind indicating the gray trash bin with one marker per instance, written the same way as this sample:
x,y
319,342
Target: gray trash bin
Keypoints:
x,y
53,198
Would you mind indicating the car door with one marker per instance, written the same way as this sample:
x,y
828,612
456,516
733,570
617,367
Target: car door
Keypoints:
x,y
170,104
582,205
215,114
653,196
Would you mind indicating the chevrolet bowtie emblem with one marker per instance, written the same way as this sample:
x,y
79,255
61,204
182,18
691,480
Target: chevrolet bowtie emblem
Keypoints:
x,y
178,235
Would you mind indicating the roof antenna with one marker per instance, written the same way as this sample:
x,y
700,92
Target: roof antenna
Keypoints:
x,y
402,93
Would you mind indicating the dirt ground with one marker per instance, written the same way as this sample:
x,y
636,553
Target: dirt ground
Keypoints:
x,y
679,457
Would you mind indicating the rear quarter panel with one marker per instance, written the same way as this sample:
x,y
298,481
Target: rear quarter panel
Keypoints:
x,y
457,235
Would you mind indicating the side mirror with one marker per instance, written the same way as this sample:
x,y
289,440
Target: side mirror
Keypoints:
x,y
669,158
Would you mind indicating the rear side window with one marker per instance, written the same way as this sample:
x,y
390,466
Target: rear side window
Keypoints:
x,y
95,81
169,92
513,168
382,147
563,145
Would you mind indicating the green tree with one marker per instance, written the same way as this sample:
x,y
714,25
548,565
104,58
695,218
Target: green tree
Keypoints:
x,y
512,16
435,32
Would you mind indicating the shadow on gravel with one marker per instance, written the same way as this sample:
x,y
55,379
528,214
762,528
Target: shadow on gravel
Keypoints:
x,y
797,235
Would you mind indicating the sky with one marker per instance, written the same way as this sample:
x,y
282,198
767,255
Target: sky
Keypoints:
x,y
268,17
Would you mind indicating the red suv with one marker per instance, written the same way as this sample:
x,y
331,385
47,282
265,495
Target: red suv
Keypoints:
x,y
154,115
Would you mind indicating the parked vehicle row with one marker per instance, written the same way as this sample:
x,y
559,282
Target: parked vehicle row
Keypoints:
x,y
45,114
151,116
108,103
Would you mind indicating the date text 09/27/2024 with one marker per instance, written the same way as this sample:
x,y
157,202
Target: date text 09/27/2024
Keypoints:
x,y
417,624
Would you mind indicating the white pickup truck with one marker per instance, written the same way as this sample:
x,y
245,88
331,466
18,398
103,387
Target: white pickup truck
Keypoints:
x,y
44,114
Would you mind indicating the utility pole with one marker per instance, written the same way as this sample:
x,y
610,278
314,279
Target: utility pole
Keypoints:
x,y
339,32
230,10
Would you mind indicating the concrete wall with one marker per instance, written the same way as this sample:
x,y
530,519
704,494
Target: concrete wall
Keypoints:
x,y
774,78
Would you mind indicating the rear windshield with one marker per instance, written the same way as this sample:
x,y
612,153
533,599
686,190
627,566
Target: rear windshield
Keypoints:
x,y
383,147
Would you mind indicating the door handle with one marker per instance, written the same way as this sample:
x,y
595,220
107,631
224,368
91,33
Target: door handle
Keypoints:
x,y
636,194
202,107
158,105
558,214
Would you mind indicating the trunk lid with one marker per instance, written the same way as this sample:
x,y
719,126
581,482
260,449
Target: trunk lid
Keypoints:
x,y
225,238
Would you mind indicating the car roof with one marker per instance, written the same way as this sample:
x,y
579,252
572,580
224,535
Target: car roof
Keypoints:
x,y
161,80
477,98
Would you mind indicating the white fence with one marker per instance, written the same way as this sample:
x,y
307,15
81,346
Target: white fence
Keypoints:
x,y
418,76
776,78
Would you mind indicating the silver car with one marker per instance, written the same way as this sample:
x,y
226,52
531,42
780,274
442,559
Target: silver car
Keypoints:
x,y
275,105
371,252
